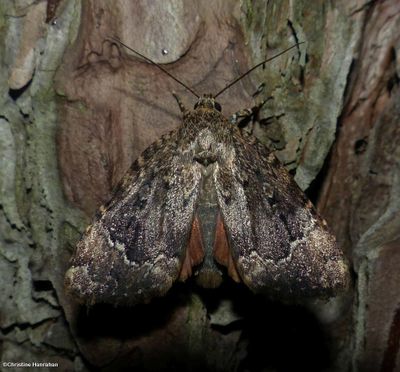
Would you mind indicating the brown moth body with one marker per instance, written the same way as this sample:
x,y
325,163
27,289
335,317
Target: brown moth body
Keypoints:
x,y
204,196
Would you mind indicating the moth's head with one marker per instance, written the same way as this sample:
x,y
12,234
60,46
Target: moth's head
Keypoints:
x,y
207,101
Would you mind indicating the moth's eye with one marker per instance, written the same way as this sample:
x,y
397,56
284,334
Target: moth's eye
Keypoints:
x,y
217,106
196,105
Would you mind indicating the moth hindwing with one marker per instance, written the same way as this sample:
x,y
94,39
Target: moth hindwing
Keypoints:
x,y
203,194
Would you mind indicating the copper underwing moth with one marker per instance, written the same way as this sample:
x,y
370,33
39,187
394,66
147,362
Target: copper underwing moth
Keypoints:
x,y
204,199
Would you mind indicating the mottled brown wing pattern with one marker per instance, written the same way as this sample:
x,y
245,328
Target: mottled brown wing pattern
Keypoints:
x,y
204,193
135,248
278,242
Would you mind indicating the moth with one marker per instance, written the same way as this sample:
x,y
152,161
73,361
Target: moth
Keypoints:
x,y
205,198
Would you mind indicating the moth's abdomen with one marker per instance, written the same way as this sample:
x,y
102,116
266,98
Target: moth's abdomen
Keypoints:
x,y
208,275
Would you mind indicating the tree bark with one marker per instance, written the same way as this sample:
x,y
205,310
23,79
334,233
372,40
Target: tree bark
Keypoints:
x,y
76,109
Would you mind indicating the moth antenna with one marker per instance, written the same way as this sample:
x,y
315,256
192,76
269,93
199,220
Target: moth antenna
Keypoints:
x,y
256,66
155,64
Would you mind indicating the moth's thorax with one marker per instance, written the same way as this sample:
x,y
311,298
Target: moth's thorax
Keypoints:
x,y
205,117
205,131
204,148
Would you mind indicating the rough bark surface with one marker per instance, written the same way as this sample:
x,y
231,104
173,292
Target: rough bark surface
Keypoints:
x,y
361,195
76,109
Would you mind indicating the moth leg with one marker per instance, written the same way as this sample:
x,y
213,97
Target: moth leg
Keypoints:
x,y
242,117
182,107
259,90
